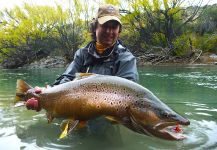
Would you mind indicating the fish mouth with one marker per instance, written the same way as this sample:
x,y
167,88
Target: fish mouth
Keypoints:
x,y
162,125
170,130
170,133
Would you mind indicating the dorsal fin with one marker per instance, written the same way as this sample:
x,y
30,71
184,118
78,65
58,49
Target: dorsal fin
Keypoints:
x,y
80,75
112,119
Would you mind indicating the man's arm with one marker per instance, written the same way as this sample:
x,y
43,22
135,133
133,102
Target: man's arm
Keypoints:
x,y
128,68
74,67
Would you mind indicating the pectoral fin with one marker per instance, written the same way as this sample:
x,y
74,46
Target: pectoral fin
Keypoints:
x,y
112,119
67,127
65,131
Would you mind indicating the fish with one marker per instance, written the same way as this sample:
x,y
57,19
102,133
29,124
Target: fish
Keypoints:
x,y
117,99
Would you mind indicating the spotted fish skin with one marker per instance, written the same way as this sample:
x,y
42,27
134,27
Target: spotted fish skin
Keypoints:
x,y
91,97
119,99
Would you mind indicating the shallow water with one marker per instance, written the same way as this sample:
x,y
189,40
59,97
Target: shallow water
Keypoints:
x,y
189,90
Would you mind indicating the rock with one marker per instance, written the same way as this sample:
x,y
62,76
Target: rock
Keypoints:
x,y
208,58
48,62
213,56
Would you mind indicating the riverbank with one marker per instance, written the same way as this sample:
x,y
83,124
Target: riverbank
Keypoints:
x,y
191,59
59,62
48,62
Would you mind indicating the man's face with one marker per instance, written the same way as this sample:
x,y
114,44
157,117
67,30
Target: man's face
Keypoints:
x,y
107,33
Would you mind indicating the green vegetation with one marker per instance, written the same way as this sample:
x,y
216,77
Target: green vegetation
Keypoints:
x,y
31,32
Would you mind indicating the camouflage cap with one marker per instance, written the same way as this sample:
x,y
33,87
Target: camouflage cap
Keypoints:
x,y
108,12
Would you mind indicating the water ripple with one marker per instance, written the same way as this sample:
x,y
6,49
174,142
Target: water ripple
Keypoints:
x,y
199,78
202,133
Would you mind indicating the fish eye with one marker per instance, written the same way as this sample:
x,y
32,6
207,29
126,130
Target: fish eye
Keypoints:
x,y
172,115
168,115
165,114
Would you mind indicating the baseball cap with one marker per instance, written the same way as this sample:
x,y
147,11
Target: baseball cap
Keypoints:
x,y
108,12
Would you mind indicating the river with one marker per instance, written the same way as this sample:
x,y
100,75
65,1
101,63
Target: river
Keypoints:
x,y
189,90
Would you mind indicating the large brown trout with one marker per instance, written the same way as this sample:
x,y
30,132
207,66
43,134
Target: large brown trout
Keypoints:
x,y
122,101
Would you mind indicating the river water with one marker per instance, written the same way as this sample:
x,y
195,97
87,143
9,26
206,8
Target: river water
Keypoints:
x,y
189,90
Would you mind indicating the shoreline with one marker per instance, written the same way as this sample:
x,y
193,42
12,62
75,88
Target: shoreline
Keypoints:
x,y
59,62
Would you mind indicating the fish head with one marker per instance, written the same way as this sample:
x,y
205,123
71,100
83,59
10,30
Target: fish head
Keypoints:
x,y
155,118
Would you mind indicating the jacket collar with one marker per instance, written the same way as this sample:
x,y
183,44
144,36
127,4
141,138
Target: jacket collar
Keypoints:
x,y
91,47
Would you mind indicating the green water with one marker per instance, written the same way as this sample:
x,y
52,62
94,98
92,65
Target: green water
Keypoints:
x,y
189,90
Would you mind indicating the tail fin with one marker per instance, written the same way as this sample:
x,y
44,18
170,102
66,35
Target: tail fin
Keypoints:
x,y
22,88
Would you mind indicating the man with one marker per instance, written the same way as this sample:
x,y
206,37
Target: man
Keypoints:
x,y
105,54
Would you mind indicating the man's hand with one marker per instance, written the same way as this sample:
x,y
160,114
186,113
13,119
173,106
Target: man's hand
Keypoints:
x,y
33,104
